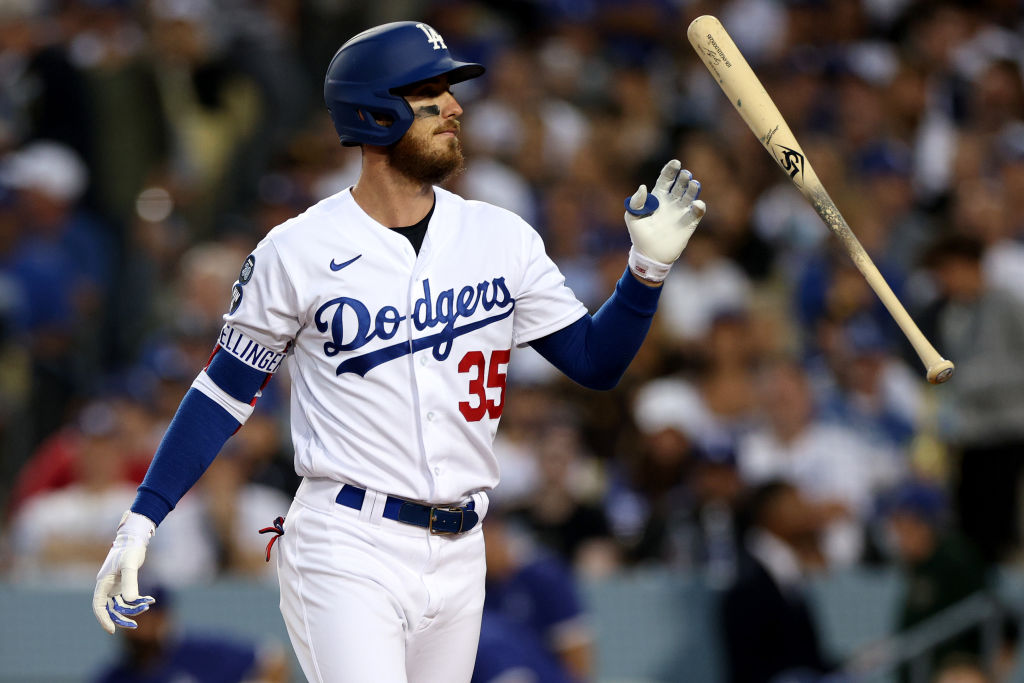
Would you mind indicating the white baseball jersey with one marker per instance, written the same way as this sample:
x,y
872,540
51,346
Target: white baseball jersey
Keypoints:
x,y
398,361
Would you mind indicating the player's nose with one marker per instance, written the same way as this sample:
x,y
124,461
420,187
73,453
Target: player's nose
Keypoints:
x,y
450,107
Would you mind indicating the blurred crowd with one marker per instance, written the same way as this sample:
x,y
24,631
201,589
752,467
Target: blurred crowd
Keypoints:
x,y
147,145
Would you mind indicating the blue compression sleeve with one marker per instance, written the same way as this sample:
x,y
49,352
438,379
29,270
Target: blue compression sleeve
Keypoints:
x,y
195,436
192,440
596,350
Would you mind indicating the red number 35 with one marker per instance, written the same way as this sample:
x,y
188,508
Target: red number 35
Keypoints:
x,y
474,362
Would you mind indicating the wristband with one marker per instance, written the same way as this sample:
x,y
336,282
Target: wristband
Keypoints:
x,y
647,268
139,526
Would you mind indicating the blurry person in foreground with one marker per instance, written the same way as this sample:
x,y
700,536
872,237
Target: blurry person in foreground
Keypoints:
x,y
982,329
940,567
769,629
159,650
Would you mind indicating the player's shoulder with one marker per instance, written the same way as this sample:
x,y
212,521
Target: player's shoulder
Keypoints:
x,y
481,213
314,220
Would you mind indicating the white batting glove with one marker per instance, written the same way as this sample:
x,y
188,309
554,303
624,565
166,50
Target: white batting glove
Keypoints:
x,y
660,224
116,598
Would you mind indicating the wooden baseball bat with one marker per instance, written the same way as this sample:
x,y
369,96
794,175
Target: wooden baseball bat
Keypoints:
x,y
739,83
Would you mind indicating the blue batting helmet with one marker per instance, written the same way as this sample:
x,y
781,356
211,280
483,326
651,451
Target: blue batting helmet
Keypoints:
x,y
368,66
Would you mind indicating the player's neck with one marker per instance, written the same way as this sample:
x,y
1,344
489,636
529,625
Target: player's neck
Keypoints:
x,y
392,199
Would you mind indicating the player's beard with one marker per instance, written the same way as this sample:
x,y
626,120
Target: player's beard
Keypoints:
x,y
420,160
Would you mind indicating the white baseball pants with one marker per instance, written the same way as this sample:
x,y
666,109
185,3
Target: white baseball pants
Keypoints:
x,y
367,599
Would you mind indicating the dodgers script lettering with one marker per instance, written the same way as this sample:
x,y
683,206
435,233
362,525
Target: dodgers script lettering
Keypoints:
x,y
428,312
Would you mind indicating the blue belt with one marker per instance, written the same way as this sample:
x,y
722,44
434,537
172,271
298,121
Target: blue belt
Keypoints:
x,y
436,520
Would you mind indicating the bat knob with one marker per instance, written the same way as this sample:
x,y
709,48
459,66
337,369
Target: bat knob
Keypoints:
x,y
940,372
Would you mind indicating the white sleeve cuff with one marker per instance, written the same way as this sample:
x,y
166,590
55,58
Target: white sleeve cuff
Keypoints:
x,y
237,409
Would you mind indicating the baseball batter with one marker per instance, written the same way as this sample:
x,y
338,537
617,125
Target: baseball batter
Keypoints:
x,y
397,305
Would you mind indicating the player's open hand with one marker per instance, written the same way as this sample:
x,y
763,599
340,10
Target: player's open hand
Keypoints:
x,y
660,223
116,598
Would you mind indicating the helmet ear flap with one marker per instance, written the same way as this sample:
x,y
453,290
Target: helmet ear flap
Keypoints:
x,y
381,123
380,118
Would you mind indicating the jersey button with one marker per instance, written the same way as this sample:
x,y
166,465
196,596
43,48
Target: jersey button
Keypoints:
x,y
423,360
430,416
437,470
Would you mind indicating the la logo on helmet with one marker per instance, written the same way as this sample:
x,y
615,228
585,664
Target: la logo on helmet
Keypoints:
x,y
433,36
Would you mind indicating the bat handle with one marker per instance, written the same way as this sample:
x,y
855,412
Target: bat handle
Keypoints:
x,y
938,369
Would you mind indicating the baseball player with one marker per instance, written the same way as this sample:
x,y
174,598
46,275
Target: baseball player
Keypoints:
x,y
397,304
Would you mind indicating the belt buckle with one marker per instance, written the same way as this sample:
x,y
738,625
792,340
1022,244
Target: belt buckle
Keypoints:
x,y
442,532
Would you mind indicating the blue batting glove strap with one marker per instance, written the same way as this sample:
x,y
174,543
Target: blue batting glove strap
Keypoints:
x,y
649,207
118,609
130,608
118,620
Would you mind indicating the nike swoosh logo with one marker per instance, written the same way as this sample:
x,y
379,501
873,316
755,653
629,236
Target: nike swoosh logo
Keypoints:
x,y
338,266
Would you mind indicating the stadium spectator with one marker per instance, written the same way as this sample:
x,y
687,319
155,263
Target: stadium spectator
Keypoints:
x,y
59,535
509,653
649,478
962,670
536,592
62,457
519,123
63,263
161,650
687,320
861,383
940,566
42,93
983,329
704,533
769,628
211,106
130,145
836,469
564,509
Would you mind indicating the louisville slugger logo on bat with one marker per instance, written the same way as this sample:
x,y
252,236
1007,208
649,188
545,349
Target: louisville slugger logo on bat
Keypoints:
x,y
791,161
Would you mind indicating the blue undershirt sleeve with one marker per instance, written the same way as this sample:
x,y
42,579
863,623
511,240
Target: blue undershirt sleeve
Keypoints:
x,y
195,436
192,440
596,350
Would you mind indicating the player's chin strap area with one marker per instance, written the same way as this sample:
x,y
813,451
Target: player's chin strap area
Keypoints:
x,y
436,520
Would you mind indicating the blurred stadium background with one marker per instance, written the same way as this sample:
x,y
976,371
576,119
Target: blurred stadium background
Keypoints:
x,y
147,145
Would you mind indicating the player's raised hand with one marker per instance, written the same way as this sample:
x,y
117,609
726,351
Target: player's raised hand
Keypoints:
x,y
116,598
660,223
